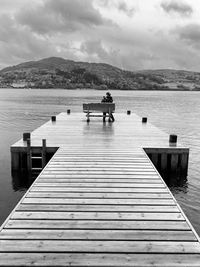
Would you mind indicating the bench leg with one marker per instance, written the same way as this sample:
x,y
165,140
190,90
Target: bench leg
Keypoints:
x,y
111,118
104,116
88,116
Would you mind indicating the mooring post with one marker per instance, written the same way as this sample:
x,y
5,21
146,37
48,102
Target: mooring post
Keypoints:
x,y
26,136
144,120
53,118
29,161
68,111
128,112
173,139
43,153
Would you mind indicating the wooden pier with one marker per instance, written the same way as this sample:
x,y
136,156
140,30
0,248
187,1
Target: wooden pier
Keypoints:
x,y
99,201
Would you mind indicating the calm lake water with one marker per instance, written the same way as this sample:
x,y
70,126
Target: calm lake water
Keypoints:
x,y
174,112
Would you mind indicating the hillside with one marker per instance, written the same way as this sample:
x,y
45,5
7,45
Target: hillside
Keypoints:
x,y
57,72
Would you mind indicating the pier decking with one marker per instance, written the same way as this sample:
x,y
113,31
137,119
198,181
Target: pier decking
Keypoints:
x,y
99,201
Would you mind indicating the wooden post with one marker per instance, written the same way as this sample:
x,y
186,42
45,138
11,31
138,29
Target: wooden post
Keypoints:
x,y
144,120
128,112
53,118
15,161
109,112
163,164
43,153
154,159
68,111
26,136
184,164
29,161
173,139
174,163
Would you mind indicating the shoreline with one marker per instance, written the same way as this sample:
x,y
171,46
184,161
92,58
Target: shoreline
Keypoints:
x,y
108,89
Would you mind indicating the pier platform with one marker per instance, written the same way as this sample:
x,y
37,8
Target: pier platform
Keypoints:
x,y
100,200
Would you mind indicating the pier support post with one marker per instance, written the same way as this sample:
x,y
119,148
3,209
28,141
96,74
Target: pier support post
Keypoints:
x,y
29,161
174,163
184,164
15,161
43,153
163,164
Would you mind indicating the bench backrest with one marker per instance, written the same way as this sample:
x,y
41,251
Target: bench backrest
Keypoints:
x,y
101,107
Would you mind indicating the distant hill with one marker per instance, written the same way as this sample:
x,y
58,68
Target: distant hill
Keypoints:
x,y
55,72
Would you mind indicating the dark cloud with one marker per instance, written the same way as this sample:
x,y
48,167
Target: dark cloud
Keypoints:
x,y
95,50
129,11
60,16
189,33
178,7
18,45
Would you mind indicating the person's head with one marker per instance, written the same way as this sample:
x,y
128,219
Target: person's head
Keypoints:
x,y
108,94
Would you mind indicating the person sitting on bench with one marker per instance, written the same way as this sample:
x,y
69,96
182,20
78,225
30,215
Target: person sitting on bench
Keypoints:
x,y
107,99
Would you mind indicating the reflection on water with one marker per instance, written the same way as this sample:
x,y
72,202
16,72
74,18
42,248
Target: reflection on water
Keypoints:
x,y
174,112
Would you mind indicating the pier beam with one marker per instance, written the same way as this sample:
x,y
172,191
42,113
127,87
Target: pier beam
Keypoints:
x,y
15,161
170,162
43,153
29,161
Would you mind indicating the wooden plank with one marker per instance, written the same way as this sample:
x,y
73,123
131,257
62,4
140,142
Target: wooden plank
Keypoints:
x,y
97,195
102,185
61,188
95,224
99,259
100,180
167,202
99,216
139,235
107,176
100,246
97,208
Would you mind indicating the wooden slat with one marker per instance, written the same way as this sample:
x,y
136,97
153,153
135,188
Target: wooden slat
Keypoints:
x,y
99,246
62,188
139,235
99,259
95,224
99,216
101,201
97,195
97,208
100,180
103,185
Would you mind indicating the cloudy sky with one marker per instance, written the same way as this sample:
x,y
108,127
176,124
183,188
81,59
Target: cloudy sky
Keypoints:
x,y
130,34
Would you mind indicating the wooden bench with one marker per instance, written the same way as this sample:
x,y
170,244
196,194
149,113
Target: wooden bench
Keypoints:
x,y
104,108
